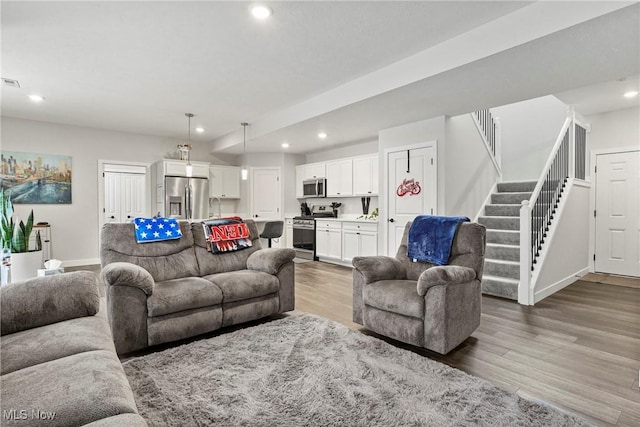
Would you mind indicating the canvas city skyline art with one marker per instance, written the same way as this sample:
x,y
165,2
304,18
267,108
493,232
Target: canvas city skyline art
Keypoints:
x,y
36,178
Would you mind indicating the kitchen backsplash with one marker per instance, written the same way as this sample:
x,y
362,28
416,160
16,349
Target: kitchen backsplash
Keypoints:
x,y
350,205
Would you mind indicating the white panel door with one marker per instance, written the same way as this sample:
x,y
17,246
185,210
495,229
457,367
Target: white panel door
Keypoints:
x,y
266,193
322,242
111,197
617,239
132,196
412,190
362,175
215,181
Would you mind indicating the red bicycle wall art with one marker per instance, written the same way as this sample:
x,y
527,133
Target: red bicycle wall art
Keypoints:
x,y
410,187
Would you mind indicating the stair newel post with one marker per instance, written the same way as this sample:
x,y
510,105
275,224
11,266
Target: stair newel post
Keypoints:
x,y
525,294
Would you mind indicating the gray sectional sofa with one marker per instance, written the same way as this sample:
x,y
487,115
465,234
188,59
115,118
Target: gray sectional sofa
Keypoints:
x,y
58,363
165,291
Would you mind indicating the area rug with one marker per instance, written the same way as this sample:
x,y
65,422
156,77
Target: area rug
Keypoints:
x,y
304,370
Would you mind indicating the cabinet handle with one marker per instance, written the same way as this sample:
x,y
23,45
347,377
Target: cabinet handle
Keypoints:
x,y
391,220
369,192
112,217
358,234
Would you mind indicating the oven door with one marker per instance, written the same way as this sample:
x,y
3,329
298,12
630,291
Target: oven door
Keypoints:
x,y
304,238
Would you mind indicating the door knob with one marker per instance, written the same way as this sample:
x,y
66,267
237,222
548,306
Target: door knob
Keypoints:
x,y
392,220
112,217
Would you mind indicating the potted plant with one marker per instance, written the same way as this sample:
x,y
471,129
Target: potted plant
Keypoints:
x,y
15,236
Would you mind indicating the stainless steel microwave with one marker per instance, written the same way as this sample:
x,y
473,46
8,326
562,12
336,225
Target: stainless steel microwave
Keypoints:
x,y
315,187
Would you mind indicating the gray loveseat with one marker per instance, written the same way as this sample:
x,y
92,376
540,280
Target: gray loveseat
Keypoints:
x,y
59,365
436,307
165,291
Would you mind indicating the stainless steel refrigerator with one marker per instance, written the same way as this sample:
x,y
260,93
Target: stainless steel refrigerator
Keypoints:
x,y
186,198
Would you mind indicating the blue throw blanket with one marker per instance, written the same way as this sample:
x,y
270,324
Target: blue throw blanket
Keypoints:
x,y
156,229
430,238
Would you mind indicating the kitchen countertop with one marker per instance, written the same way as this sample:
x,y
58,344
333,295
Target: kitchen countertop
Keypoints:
x,y
347,219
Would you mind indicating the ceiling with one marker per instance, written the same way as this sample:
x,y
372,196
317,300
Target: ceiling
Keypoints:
x,y
350,68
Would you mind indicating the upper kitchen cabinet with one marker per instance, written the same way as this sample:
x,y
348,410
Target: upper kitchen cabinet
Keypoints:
x,y
224,182
340,178
365,176
179,168
308,171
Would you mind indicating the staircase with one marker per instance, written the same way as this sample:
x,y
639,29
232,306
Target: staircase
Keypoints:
x,y
502,256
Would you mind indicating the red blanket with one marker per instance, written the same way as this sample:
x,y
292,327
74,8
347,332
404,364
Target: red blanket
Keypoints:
x,y
226,235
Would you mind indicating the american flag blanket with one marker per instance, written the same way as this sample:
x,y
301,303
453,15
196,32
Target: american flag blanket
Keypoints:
x,y
226,235
156,229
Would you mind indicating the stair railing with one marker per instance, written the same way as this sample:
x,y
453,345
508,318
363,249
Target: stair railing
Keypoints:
x,y
491,133
567,160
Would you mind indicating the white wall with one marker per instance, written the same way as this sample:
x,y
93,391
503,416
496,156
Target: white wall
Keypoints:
x,y
351,150
75,227
287,164
567,256
412,133
469,172
616,129
529,130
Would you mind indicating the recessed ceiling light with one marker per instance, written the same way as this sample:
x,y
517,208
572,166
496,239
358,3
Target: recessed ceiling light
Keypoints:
x,y
36,98
631,94
322,135
199,129
260,11
285,145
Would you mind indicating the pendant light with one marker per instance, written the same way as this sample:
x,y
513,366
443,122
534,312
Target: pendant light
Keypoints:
x,y
189,165
244,173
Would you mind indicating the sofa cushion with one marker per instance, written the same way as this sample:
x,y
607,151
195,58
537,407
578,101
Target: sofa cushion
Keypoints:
x,y
80,389
166,260
55,341
52,298
396,296
244,284
171,296
209,263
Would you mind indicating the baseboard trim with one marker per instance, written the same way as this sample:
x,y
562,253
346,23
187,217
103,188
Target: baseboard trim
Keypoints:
x,y
555,287
81,262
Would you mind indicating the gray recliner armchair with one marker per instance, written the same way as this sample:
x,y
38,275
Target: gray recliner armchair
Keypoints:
x,y
436,307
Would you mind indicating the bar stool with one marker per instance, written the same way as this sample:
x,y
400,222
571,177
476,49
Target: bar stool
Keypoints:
x,y
272,230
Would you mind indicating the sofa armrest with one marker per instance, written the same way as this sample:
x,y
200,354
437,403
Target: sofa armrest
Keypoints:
x,y
46,300
270,260
127,274
444,275
374,268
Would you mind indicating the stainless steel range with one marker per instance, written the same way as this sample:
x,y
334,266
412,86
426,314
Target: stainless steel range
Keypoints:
x,y
304,231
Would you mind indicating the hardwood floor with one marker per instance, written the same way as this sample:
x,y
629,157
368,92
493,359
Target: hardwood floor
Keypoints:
x,y
578,349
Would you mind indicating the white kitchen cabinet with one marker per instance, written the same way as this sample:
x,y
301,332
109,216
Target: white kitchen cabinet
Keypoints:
x,y
124,196
288,233
365,176
224,182
315,170
359,239
340,178
329,240
179,168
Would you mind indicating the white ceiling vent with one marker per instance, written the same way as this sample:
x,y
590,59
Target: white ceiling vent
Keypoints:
x,y
10,82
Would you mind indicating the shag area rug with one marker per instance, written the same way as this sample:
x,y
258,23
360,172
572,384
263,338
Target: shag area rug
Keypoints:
x,y
304,370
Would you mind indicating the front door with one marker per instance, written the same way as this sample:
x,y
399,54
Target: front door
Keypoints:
x,y
412,189
618,213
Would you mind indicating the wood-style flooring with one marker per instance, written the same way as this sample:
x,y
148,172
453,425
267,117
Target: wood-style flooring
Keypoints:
x,y
578,349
